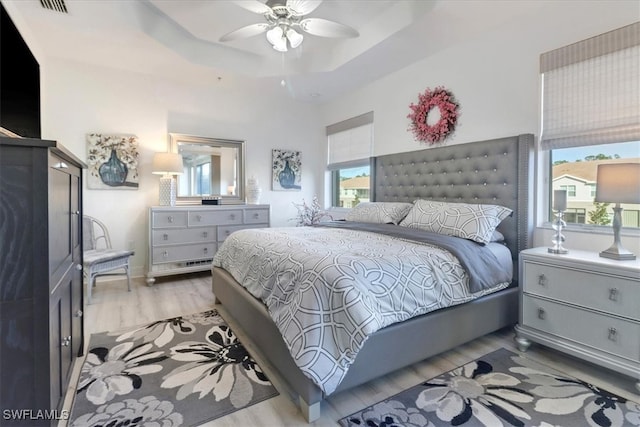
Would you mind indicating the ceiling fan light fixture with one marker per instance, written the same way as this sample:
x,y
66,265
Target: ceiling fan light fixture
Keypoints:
x,y
274,35
295,38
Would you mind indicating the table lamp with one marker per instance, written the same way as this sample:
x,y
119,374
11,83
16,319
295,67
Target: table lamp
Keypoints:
x,y
168,165
618,183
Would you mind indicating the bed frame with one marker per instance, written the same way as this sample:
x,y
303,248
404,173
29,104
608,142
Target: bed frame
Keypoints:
x,y
496,171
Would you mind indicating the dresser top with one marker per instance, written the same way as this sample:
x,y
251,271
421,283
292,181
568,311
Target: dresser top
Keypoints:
x,y
183,208
586,258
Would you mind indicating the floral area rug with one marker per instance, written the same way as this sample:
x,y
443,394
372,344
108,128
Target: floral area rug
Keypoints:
x,y
501,389
174,372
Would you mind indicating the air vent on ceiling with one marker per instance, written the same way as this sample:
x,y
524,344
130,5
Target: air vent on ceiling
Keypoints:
x,y
57,5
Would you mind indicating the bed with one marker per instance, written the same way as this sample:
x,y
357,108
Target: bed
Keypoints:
x,y
488,172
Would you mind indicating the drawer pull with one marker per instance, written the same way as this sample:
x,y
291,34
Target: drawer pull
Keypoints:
x,y
170,218
613,294
542,280
165,254
541,314
165,237
199,218
232,216
66,342
227,232
206,250
613,334
256,215
205,234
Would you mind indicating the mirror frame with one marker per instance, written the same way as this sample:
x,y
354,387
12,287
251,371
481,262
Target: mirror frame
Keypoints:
x,y
238,198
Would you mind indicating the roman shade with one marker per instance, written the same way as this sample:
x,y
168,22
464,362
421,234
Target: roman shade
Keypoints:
x,y
350,142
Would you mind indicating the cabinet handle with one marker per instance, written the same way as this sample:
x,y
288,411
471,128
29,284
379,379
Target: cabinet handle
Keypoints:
x,y
165,254
170,218
66,342
206,250
79,313
227,232
232,216
613,294
542,280
205,234
199,217
541,314
75,213
613,334
165,237
256,215
79,267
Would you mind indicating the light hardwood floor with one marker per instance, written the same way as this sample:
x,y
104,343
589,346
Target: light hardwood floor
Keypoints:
x,y
114,308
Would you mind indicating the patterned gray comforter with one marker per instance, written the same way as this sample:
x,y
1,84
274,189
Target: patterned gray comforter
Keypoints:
x,y
328,290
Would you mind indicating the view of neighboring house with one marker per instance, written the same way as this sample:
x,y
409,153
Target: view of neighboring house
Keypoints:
x,y
353,191
579,179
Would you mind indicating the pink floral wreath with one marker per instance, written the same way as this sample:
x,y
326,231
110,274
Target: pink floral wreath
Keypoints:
x,y
437,98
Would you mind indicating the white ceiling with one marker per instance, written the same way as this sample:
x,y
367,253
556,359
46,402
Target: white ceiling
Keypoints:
x,y
180,38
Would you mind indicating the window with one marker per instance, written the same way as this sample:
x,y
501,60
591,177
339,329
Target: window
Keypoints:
x,y
591,116
350,146
203,178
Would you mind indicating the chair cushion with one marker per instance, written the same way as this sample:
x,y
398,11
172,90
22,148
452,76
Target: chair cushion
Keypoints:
x,y
102,255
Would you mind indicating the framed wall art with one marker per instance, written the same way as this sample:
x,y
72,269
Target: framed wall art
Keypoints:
x,y
112,162
286,170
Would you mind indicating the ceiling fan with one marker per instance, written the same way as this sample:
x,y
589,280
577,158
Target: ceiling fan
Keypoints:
x,y
283,18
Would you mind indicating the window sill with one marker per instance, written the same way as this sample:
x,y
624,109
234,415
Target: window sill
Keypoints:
x,y
594,229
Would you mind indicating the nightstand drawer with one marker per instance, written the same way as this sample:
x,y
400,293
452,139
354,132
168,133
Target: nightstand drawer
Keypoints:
x,y
162,219
614,335
178,253
256,216
597,291
213,217
187,235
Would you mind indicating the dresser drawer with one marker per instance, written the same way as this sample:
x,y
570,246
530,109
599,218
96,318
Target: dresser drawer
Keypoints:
x,y
164,219
212,217
597,291
256,216
611,334
187,235
192,252
225,231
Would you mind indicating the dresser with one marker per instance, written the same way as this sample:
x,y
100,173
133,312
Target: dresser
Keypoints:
x,y
184,239
582,304
41,293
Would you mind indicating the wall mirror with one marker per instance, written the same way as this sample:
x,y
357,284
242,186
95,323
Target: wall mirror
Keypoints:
x,y
212,167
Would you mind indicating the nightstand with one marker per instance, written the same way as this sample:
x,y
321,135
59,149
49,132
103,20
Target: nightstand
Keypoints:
x,y
582,304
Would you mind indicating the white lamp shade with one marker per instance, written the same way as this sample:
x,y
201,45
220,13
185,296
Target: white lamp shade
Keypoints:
x,y
294,37
167,164
618,183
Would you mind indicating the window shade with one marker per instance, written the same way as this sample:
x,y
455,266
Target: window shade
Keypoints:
x,y
350,142
591,91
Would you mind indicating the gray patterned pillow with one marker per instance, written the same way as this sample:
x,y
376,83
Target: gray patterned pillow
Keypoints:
x,y
379,212
473,222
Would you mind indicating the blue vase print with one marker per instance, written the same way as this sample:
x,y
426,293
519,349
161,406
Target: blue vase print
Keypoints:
x,y
113,172
287,177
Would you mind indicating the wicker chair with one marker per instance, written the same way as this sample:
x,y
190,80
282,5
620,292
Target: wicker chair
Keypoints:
x,y
99,258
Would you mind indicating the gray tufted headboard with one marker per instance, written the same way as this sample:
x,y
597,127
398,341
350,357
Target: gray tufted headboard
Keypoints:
x,y
496,171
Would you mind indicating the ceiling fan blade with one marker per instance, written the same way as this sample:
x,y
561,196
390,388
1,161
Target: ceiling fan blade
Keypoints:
x,y
245,32
254,6
325,28
302,7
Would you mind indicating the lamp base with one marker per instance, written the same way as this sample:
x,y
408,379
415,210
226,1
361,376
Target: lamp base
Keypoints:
x,y
168,191
618,253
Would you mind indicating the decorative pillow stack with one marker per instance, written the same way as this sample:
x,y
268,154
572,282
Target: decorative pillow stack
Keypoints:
x,y
469,221
379,212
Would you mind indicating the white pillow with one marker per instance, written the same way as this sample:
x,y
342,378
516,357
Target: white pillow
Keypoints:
x,y
473,222
379,212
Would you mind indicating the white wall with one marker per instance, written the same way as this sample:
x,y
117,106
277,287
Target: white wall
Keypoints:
x,y
79,98
496,81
